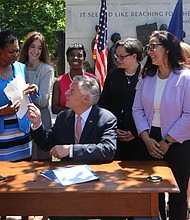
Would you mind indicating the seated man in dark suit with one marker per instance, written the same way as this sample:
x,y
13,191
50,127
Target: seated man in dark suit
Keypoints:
x,y
93,140
97,141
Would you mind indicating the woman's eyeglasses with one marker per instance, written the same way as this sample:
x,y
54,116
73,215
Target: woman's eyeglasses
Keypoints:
x,y
120,57
151,47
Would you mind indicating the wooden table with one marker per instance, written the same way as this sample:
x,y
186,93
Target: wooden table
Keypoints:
x,y
121,191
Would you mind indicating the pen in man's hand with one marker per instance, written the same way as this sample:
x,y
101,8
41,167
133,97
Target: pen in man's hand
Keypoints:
x,y
35,177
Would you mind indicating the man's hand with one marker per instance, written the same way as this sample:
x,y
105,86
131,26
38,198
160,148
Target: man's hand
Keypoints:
x,y
60,151
34,115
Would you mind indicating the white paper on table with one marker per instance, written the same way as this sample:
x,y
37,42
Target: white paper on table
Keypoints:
x,y
14,91
74,174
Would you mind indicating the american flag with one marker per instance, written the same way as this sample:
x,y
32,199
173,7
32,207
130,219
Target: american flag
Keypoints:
x,y
102,45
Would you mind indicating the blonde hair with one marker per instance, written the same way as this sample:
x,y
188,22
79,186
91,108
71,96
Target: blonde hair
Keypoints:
x,y
186,48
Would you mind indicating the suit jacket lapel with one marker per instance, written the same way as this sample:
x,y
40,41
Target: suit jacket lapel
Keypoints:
x,y
70,127
90,123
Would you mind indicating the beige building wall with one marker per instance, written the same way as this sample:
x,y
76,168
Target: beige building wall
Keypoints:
x,y
123,17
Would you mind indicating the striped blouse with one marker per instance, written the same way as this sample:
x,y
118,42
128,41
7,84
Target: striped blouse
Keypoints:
x,y
15,139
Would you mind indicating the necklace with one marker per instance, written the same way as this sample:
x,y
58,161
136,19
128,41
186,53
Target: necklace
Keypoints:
x,y
164,73
128,79
5,72
4,75
69,75
129,76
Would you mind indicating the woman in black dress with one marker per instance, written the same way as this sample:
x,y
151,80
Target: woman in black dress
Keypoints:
x,y
118,95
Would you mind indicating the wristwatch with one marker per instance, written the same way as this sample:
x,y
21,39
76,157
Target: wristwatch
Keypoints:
x,y
167,142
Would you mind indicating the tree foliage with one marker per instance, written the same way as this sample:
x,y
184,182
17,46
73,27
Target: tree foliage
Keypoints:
x,y
23,16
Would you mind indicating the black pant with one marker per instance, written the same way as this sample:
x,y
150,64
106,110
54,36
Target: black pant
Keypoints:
x,y
178,158
132,150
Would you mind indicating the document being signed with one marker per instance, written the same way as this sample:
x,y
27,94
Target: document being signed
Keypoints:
x,y
71,174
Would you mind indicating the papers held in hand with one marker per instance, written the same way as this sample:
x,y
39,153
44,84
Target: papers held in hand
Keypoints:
x,y
71,174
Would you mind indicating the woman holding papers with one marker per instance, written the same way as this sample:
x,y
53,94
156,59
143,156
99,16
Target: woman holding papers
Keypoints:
x,y
15,140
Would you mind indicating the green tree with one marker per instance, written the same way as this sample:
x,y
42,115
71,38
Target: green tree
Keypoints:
x,y
23,16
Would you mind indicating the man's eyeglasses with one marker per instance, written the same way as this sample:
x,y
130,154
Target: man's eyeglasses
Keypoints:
x,y
151,47
120,57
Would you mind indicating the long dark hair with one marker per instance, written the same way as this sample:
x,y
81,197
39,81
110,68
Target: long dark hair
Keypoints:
x,y
29,39
175,56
